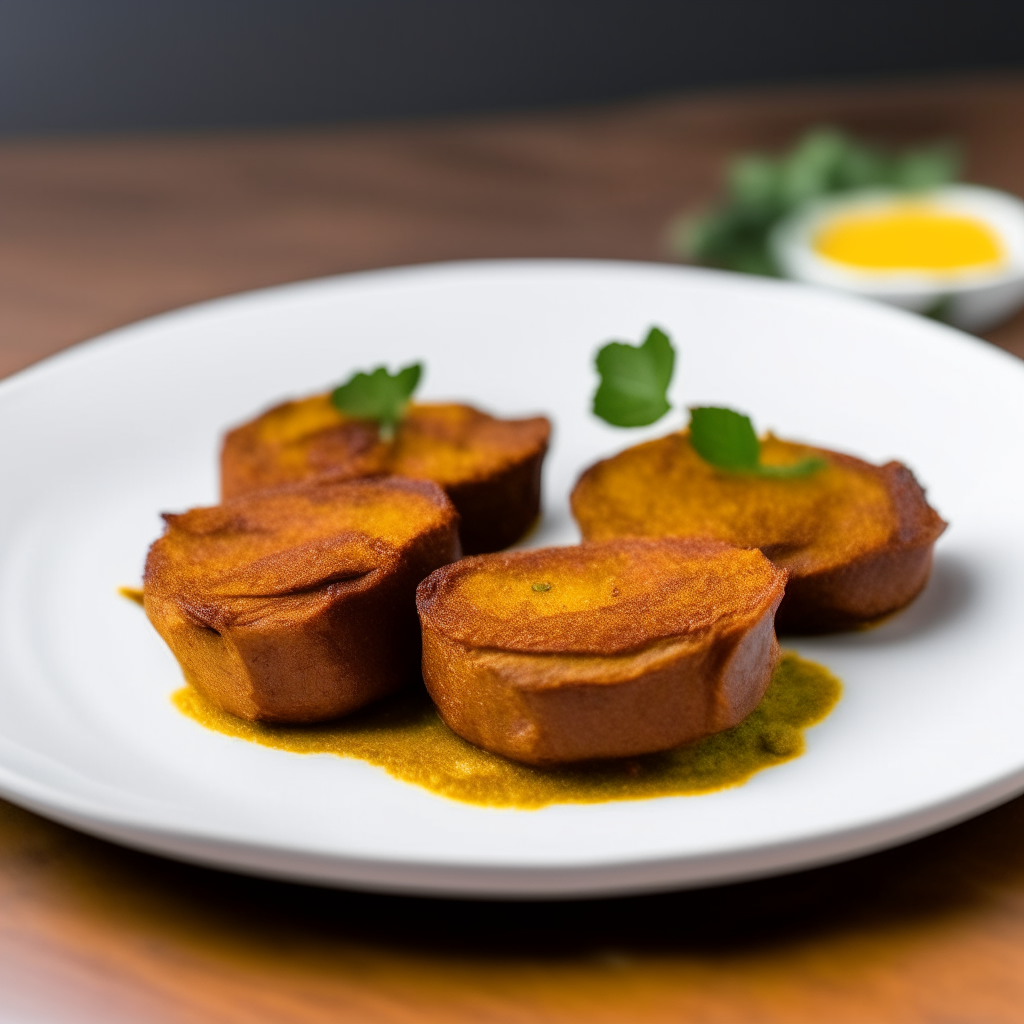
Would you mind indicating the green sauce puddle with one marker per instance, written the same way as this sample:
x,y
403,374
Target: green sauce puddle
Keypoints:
x,y
405,736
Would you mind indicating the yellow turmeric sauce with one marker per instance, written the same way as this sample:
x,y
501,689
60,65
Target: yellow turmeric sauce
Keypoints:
x,y
910,237
405,736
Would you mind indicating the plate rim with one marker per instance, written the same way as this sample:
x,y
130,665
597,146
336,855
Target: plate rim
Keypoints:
x,y
424,878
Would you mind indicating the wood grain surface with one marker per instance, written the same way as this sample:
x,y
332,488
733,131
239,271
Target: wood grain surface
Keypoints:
x,y
98,232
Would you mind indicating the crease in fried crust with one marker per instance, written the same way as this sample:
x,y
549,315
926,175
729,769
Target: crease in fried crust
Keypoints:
x,y
298,605
489,467
607,649
856,539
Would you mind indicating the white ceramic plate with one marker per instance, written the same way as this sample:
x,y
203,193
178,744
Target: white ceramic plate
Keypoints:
x,y
98,440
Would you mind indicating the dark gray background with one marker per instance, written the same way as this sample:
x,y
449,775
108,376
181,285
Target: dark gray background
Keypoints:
x,y
102,65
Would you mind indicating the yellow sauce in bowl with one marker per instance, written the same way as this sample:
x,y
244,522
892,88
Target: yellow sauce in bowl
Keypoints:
x,y
910,237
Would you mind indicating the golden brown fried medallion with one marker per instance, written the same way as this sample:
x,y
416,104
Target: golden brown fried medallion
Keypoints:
x,y
855,538
489,467
298,605
609,649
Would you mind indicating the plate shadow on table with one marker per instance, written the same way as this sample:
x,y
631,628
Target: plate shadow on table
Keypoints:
x,y
962,870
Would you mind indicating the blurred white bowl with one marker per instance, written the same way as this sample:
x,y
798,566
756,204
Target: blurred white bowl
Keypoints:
x,y
970,298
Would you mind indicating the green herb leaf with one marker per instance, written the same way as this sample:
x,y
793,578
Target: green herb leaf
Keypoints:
x,y
805,467
378,395
926,168
726,439
634,381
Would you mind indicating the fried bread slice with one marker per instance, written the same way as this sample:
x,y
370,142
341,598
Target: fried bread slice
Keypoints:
x,y
489,467
856,538
298,605
608,649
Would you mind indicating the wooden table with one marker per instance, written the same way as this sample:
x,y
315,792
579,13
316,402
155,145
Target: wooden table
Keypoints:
x,y
97,232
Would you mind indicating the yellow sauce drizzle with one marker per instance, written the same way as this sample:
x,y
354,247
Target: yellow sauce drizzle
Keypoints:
x,y
132,594
910,236
404,736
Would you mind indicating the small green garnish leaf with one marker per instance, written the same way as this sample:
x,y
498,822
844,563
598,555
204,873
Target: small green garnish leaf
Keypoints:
x,y
634,381
541,587
378,395
805,467
726,439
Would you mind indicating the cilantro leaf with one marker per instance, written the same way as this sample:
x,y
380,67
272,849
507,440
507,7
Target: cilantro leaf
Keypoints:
x,y
726,440
634,381
378,395
805,467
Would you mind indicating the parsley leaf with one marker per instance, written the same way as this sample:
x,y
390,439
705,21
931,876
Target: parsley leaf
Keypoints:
x,y
805,467
726,440
634,381
378,395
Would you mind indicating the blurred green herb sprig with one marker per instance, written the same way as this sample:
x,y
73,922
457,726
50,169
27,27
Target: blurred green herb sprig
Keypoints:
x,y
761,190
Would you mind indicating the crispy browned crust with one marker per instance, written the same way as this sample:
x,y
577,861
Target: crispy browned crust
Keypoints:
x,y
877,583
489,467
656,643
500,508
298,605
875,563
